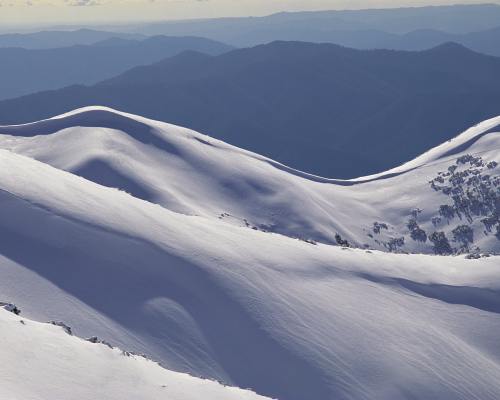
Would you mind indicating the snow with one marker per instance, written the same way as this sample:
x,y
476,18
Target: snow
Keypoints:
x,y
169,276
190,173
41,362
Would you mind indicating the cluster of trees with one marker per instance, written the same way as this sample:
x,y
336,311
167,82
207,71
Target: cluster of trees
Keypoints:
x,y
474,192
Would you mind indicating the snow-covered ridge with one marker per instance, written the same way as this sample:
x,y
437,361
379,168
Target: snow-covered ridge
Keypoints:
x,y
193,174
40,361
448,151
215,298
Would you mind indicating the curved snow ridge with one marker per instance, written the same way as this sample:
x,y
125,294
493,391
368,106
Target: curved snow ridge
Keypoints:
x,y
447,151
138,128
153,132
144,130
95,115
40,361
190,173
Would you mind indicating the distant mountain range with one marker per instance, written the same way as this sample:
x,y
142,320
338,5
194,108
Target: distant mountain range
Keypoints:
x,y
484,41
321,108
332,26
487,41
61,38
416,28
24,71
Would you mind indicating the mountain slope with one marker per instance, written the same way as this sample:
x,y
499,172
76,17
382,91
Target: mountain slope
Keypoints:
x,y
40,361
254,309
323,109
193,174
25,71
286,318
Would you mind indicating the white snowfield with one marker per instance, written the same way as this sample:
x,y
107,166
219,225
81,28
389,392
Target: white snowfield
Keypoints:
x,y
190,173
40,361
160,271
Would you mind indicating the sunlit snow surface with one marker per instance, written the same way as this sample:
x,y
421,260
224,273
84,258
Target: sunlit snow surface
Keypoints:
x,y
186,268
193,174
40,361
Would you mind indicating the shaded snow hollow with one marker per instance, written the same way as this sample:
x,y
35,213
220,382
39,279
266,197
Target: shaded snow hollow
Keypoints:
x,y
177,272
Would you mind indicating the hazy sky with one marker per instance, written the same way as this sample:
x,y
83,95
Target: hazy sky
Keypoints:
x,y
40,12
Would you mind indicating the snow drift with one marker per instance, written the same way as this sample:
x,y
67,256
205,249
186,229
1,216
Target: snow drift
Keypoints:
x,y
200,265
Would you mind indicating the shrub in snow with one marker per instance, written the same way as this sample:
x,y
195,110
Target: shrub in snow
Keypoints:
x,y
492,165
416,233
441,243
395,243
419,235
446,211
377,226
415,212
310,241
10,307
65,327
341,242
463,159
412,224
96,340
436,220
473,256
490,222
463,234
468,158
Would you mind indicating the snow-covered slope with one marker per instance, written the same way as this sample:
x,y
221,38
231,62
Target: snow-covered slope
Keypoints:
x,y
193,174
41,362
167,277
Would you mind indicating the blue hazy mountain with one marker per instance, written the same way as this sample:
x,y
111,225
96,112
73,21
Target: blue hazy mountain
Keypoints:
x,y
487,41
24,71
321,108
332,26
61,38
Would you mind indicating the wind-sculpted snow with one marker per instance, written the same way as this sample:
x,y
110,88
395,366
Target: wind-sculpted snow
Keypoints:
x,y
187,275
194,174
40,361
